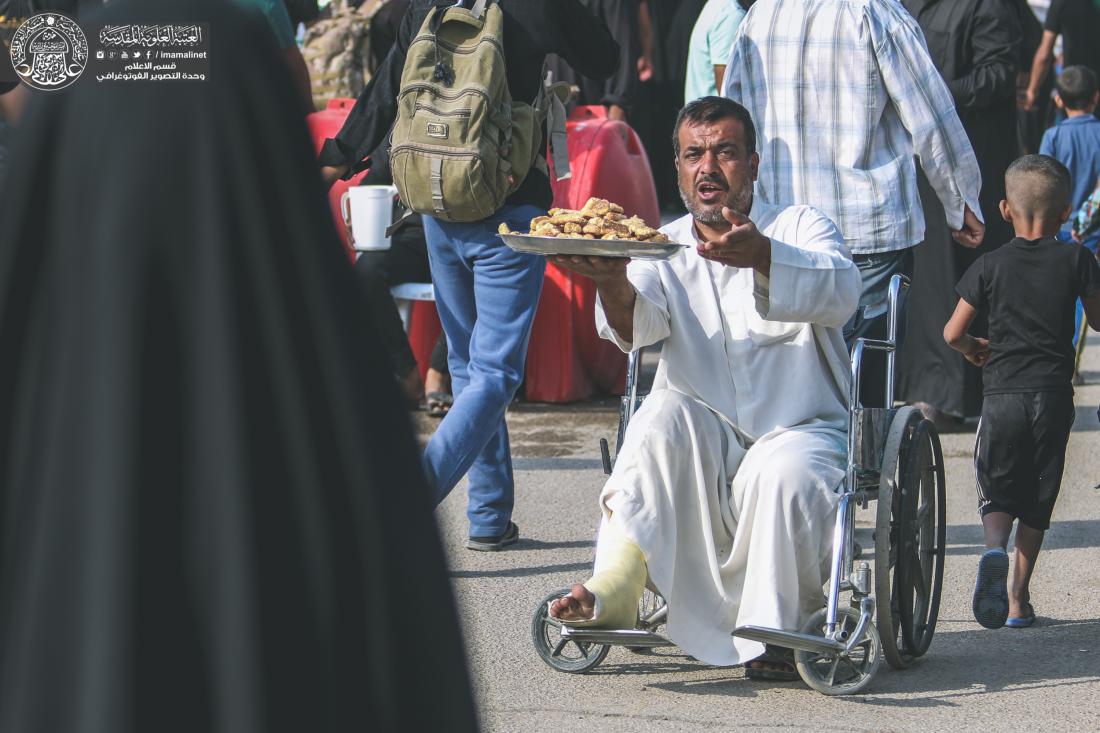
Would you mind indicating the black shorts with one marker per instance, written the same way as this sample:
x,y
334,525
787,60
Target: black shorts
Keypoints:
x,y
1020,453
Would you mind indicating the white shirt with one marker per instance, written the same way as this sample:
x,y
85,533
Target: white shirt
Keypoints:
x,y
764,353
844,94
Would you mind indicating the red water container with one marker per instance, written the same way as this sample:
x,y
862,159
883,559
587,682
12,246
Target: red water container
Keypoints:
x,y
326,124
567,360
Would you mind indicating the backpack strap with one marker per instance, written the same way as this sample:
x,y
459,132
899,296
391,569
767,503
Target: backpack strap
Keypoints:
x,y
442,72
551,101
436,179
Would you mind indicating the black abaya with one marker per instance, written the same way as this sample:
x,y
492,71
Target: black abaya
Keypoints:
x,y
212,513
974,44
663,96
621,88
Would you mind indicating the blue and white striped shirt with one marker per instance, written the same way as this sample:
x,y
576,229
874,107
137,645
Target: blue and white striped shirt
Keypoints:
x,y
844,94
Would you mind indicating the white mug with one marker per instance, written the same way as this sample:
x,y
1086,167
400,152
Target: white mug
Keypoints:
x,y
367,211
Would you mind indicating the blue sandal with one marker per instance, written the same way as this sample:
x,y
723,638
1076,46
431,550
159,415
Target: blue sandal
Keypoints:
x,y
990,604
1022,622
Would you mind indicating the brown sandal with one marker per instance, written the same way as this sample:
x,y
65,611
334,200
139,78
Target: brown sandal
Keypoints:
x,y
776,655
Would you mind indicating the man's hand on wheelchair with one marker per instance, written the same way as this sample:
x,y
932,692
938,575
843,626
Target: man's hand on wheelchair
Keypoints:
x,y
742,246
977,351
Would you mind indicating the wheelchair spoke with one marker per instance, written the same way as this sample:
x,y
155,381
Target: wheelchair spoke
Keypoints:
x,y
832,670
923,514
816,658
852,667
917,578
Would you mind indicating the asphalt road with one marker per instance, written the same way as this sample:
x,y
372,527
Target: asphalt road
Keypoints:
x,y
1043,678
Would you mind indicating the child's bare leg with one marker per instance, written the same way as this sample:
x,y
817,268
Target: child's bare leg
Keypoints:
x,y
1028,542
998,528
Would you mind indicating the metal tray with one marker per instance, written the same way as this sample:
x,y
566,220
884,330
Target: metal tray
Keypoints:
x,y
592,247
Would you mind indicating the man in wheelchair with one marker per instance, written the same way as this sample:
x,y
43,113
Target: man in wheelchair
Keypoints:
x,y
723,492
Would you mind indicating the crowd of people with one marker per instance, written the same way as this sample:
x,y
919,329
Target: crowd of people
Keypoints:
x,y
196,418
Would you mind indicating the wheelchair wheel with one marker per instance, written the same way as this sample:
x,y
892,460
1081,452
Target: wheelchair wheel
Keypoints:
x,y
910,538
844,673
564,655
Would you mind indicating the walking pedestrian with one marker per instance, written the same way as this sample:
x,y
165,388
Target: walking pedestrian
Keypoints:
x,y
1028,289
485,292
212,510
839,127
975,46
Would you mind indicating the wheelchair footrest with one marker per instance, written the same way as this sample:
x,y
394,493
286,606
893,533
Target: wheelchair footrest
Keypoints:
x,y
789,639
617,637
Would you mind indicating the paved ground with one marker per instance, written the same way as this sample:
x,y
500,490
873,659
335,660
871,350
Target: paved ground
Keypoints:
x,y
1044,678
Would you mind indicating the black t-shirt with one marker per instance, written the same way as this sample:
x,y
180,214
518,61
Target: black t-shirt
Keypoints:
x,y
1078,22
1029,290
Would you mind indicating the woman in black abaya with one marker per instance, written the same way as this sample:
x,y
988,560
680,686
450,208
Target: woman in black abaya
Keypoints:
x,y
974,44
211,511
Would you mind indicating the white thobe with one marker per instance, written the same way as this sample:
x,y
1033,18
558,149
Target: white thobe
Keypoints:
x,y
728,472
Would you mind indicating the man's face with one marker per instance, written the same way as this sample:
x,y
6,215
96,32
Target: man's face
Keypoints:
x,y
714,170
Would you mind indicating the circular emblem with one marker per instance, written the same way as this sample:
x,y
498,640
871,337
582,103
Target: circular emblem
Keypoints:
x,y
49,51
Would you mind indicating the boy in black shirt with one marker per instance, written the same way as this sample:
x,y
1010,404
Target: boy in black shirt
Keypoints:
x,y
1029,290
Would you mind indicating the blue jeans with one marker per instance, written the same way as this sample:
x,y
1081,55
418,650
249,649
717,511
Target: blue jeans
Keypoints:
x,y
486,295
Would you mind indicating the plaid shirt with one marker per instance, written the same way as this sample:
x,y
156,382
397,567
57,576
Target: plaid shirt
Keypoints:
x,y
844,94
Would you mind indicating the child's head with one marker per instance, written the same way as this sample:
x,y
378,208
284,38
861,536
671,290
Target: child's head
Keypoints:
x,y
1037,194
1077,90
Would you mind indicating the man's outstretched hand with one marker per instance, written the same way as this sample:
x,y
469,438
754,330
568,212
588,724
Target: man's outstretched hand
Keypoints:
x,y
742,246
972,232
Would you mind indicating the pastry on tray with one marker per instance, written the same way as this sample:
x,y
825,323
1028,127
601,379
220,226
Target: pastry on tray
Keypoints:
x,y
598,219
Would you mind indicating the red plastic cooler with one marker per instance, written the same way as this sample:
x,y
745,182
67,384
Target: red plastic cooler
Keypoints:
x,y
567,360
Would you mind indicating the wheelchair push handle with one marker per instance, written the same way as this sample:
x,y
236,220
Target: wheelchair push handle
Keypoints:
x,y
898,283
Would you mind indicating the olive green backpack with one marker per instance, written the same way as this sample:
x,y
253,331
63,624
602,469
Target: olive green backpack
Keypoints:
x,y
461,145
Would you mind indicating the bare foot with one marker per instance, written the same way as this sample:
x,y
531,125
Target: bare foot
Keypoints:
x,y
579,605
1020,606
437,382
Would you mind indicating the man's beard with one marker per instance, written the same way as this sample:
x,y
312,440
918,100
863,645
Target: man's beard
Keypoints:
x,y
711,215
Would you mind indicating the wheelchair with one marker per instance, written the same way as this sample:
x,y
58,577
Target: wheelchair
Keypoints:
x,y
894,459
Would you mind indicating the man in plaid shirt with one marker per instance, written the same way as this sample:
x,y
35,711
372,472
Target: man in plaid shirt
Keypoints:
x,y
844,95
